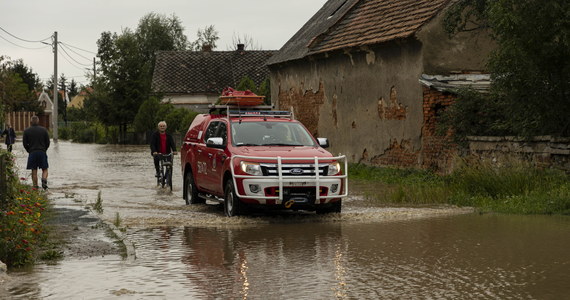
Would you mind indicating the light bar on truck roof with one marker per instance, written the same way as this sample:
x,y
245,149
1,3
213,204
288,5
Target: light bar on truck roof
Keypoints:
x,y
260,113
253,111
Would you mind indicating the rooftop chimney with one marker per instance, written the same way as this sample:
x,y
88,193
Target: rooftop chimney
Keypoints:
x,y
240,47
207,48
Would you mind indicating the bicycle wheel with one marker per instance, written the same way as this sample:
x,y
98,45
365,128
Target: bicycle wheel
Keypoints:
x,y
169,176
162,177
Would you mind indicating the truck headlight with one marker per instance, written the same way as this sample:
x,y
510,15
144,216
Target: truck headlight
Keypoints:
x,y
334,168
251,168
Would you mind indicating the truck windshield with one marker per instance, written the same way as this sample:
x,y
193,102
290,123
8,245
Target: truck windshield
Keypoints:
x,y
270,134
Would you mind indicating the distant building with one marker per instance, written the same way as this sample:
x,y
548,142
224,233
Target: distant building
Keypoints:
x,y
77,100
20,120
195,79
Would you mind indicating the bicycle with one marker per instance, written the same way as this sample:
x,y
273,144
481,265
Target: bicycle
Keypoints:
x,y
165,174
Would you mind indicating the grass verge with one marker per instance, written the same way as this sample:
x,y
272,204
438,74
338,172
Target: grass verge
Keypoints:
x,y
515,187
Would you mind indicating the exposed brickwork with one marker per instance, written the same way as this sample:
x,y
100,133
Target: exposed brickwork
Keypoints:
x,y
392,110
398,154
437,150
306,103
433,104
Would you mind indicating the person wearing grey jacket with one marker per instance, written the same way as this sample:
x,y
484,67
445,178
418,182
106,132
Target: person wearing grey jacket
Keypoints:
x,y
36,142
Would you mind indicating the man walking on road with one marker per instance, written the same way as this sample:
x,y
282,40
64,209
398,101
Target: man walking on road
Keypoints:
x,y
36,142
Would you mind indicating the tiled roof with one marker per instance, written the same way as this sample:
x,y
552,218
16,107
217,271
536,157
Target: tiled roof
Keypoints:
x,y
327,16
358,23
207,72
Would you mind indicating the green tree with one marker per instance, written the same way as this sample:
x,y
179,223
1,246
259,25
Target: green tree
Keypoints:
x,y
28,76
61,101
247,83
466,15
72,89
126,63
265,90
147,118
207,36
124,84
15,94
531,65
157,32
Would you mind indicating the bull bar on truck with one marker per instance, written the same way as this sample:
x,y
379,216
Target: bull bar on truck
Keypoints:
x,y
311,179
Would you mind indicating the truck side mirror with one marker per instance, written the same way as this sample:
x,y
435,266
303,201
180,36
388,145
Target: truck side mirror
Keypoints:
x,y
323,142
215,142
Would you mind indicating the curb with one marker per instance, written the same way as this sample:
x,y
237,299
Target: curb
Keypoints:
x,y
129,245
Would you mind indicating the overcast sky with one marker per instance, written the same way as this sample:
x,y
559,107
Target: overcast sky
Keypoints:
x,y
79,23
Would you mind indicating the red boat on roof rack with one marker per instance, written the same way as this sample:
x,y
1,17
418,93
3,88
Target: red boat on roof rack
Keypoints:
x,y
240,98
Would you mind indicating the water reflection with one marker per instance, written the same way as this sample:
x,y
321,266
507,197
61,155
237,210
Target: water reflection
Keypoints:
x,y
468,256
265,261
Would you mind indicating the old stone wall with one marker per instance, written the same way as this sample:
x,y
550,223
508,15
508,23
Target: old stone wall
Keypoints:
x,y
542,151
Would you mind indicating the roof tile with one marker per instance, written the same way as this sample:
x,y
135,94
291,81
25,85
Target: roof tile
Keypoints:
x,y
353,23
197,72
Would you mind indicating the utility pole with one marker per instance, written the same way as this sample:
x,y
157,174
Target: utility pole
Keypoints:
x,y
94,70
55,91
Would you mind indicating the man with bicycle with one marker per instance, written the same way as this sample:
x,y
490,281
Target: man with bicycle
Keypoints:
x,y
161,142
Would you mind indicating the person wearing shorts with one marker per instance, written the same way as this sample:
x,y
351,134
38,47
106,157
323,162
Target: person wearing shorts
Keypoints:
x,y
36,142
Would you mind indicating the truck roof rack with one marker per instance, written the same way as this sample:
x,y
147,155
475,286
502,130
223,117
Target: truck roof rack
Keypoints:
x,y
252,111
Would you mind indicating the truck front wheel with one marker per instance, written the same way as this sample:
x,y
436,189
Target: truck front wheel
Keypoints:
x,y
232,205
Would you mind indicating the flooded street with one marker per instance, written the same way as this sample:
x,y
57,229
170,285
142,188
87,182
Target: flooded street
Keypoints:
x,y
194,252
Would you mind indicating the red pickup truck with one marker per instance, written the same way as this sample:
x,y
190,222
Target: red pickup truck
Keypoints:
x,y
244,158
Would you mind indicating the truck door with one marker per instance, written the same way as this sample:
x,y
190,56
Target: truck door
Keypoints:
x,y
203,159
216,158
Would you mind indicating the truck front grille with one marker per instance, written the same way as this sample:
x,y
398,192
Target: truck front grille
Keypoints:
x,y
293,169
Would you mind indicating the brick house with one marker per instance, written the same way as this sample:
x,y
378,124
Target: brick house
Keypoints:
x,y
195,79
354,71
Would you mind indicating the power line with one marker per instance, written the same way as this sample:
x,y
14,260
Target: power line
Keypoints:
x,y
29,48
78,48
66,53
67,46
24,40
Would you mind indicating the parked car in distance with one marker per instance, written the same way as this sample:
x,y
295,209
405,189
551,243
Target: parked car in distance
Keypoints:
x,y
246,158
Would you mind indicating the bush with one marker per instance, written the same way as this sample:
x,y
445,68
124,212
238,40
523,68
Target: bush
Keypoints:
x,y
21,220
64,133
473,114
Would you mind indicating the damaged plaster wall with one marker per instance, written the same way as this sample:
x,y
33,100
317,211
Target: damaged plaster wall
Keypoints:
x,y
443,54
367,102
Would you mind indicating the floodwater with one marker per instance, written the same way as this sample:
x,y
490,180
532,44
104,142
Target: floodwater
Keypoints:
x,y
366,252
